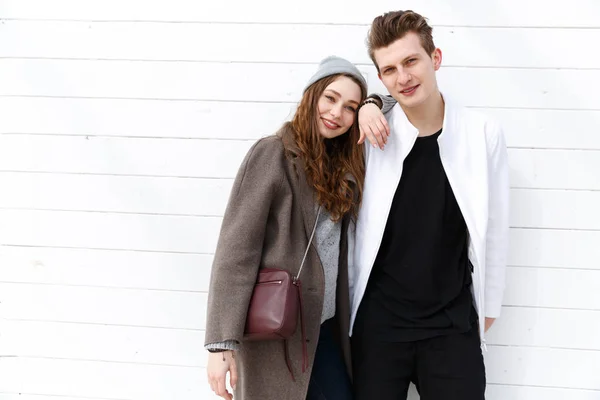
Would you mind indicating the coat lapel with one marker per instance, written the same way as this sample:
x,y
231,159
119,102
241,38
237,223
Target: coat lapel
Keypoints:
x,y
306,193
307,198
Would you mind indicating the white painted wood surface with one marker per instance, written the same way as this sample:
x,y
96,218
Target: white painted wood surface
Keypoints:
x,y
524,128
122,124
532,13
513,87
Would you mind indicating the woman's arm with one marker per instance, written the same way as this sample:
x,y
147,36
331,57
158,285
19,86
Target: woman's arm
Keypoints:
x,y
237,259
371,120
239,249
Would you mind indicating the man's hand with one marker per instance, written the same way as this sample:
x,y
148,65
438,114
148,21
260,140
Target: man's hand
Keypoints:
x,y
488,323
218,366
373,126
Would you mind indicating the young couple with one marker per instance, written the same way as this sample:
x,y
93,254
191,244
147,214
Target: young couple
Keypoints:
x,y
405,272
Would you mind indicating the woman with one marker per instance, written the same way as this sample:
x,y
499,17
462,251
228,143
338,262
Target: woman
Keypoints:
x,y
310,172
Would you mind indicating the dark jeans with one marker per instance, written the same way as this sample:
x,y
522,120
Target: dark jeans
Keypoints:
x,y
448,367
329,379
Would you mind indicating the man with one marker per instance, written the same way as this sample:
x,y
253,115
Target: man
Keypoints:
x,y
431,237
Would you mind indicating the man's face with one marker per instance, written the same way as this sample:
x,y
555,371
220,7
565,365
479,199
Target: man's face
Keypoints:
x,y
407,71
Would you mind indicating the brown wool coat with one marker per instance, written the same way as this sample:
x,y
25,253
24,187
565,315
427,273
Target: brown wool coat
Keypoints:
x,y
268,222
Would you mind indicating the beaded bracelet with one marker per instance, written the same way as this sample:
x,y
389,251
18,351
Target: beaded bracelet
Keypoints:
x,y
368,101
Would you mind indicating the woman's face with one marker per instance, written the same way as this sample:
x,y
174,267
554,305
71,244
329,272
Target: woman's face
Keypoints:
x,y
337,107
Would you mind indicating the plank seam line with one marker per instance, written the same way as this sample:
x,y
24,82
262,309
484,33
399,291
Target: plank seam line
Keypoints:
x,y
105,249
230,139
67,396
268,62
104,324
103,361
215,216
254,101
104,287
525,346
351,24
542,387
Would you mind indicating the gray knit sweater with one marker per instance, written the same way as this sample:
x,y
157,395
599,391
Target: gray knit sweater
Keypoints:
x,y
327,240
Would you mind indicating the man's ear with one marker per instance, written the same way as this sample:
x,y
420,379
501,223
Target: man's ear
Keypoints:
x,y
436,56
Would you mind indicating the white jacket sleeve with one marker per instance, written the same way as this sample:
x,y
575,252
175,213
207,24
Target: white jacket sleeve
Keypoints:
x,y
497,228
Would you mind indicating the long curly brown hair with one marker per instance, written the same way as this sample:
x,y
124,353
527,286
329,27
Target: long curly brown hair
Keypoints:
x,y
328,162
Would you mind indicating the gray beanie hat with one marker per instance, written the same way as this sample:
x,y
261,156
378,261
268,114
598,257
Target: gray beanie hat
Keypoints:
x,y
333,65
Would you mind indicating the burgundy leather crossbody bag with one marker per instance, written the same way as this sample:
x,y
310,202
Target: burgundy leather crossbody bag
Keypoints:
x,y
275,305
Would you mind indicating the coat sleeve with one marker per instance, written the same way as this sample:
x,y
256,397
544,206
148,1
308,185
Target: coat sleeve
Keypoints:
x,y
498,223
239,248
388,101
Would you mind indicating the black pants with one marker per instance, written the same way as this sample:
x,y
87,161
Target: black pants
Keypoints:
x,y
329,379
442,368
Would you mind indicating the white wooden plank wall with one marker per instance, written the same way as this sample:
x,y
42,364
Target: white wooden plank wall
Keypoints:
x,y
123,123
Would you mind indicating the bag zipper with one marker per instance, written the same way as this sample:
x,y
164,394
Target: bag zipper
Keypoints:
x,y
270,283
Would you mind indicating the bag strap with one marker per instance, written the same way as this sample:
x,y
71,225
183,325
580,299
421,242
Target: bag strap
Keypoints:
x,y
309,243
288,362
298,284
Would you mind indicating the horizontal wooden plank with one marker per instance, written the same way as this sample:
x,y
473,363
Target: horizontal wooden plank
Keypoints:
x,y
141,345
530,168
540,327
554,248
503,392
556,368
518,47
567,129
461,12
528,287
555,169
149,308
505,366
208,197
109,231
95,380
109,193
28,396
550,287
563,129
106,268
129,79
214,81
494,392
33,339
555,209
156,233
122,117
518,326
123,156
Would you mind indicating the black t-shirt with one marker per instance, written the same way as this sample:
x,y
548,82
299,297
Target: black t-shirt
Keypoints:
x,y
420,283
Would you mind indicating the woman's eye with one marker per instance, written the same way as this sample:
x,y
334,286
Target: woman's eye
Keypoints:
x,y
351,109
330,98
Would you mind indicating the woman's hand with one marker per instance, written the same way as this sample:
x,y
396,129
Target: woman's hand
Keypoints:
x,y
218,366
373,126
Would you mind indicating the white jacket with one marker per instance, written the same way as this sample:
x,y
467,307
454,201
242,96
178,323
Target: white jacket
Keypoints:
x,y
474,157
